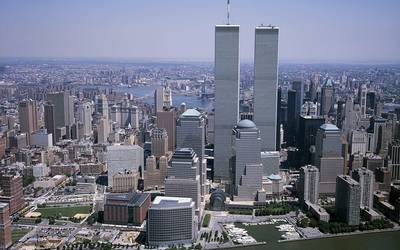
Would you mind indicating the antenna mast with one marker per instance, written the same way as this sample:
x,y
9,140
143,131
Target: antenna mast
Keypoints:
x,y
228,10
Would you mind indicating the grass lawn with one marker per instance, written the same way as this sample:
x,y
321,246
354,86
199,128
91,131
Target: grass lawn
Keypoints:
x,y
18,234
206,220
63,211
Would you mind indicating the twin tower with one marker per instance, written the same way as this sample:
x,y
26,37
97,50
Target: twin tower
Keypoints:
x,y
227,85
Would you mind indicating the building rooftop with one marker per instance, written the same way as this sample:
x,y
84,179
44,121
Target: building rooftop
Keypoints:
x,y
274,177
171,202
190,113
270,154
267,27
135,199
349,180
227,26
329,127
246,124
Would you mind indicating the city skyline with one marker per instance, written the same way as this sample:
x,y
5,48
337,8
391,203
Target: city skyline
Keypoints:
x,y
119,151
311,31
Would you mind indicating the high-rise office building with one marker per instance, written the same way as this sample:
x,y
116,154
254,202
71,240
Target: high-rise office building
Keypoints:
x,y
326,97
309,109
167,119
63,108
49,120
162,98
134,116
156,172
227,76
12,192
159,142
266,84
171,221
116,116
102,106
246,161
383,178
309,184
379,131
290,131
372,161
85,117
359,142
394,155
190,132
279,120
28,117
371,102
158,99
5,226
103,130
183,175
328,157
298,86
123,157
308,127
366,179
362,98
347,202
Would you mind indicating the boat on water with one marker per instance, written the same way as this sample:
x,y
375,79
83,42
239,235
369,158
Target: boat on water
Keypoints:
x,y
290,236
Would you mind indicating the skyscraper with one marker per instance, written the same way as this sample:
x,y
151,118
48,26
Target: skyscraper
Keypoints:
x,y
183,179
190,132
298,86
308,127
227,75
63,110
290,131
347,200
158,99
326,97
394,154
328,157
49,120
156,172
85,117
309,184
123,157
266,84
103,130
159,142
366,179
102,105
246,161
362,98
28,118
167,119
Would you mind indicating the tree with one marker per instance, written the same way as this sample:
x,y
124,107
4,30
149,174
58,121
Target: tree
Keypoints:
x,y
52,220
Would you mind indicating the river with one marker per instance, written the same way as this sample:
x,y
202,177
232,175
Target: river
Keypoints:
x,y
147,93
369,241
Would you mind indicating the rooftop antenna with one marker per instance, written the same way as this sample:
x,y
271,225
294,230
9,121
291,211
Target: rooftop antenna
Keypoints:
x,y
228,10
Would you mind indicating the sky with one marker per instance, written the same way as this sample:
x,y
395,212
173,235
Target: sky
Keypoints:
x,y
338,31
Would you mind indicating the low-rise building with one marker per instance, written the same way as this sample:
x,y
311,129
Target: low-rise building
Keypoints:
x,y
126,208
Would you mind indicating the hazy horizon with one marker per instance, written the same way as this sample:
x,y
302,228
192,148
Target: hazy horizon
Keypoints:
x,y
311,31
